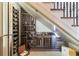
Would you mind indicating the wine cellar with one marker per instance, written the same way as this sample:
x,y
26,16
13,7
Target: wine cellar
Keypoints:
x,y
24,30
38,39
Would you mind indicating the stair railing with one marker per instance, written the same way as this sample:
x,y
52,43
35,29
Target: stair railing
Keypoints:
x,y
70,10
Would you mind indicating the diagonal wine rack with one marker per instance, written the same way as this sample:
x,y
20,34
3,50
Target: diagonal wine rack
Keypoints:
x,y
15,31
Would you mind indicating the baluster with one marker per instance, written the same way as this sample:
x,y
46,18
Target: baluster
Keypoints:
x,y
54,5
67,9
64,9
73,13
57,5
77,13
60,5
70,10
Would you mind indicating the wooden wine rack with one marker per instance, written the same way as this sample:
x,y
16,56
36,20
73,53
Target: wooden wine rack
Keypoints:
x,y
28,25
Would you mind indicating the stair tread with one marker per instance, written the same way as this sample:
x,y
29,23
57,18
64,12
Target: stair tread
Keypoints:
x,y
56,9
68,17
75,25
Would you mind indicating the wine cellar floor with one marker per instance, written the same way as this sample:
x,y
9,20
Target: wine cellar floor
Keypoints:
x,y
43,49
45,53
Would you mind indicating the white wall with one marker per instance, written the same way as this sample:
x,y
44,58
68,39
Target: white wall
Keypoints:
x,y
41,27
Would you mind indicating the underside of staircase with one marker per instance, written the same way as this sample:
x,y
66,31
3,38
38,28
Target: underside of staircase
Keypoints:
x,y
65,24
